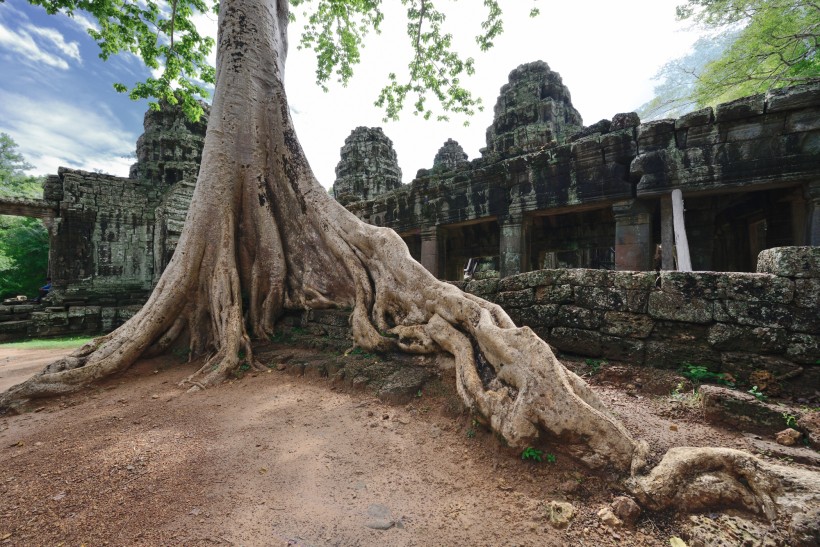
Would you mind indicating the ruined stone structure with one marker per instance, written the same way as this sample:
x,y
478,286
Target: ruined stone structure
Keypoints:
x,y
449,157
543,197
368,166
554,205
110,237
534,109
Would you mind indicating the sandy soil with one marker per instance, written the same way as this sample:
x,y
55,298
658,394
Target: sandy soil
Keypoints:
x,y
275,459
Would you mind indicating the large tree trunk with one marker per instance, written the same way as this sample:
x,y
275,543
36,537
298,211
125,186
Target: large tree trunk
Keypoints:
x,y
263,235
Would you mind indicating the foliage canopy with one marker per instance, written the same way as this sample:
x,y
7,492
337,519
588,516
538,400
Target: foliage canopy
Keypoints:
x,y
777,45
165,36
23,241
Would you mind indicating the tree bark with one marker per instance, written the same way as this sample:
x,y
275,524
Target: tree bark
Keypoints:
x,y
262,235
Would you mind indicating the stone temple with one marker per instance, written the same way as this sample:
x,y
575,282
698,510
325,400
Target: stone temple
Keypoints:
x,y
574,224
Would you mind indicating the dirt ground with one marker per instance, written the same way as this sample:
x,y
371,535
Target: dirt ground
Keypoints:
x,y
277,459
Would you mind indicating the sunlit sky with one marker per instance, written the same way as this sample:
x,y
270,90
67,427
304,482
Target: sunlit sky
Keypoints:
x,y
57,101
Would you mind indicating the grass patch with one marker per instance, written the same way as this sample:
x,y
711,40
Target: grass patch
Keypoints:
x,y
49,343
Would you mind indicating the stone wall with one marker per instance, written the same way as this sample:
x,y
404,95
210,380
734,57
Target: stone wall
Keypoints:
x,y
730,322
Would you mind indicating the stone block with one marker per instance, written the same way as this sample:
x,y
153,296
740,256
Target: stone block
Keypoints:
x,y
580,318
15,327
515,299
630,325
402,386
753,287
741,108
807,293
554,294
619,147
682,333
82,311
663,354
541,315
482,287
586,277
624,120
804,348
704,116
540,278
790,262
633,280
755,313
692,284
637,301
656,135
802,122
741,364
512,283
55,319
791,98
596,298
702,137
740,410
676,306
728,337
595,344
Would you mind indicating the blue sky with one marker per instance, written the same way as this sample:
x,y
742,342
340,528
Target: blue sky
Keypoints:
x,y
58,103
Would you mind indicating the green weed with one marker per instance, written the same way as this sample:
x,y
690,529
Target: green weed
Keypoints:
x,y
791,420
49,343
595,364
531,453
701,374
759,395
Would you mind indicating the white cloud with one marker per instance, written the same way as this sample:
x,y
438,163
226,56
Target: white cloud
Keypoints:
x,y
83,22
70,49
22,43
70,136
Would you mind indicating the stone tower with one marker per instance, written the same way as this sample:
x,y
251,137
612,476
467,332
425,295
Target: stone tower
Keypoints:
x,y
168,157
170,149
450,157
532,110
368,166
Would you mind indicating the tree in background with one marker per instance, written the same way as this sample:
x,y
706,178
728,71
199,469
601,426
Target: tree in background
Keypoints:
x,y
262,236
23,241
674,95
776,45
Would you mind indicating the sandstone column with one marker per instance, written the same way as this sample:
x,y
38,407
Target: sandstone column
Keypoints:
x,y
813,214
429,249
633,235
667,234
513,245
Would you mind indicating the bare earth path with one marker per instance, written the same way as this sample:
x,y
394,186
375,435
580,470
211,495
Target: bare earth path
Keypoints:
x,y
274,459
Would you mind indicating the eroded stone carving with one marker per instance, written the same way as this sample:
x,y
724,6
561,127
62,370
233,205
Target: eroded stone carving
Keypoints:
x,y
368,166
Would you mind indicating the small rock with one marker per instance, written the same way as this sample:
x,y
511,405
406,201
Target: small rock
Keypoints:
x,y
626,509
608,517
280,367
195,511
560,513
435,432
155,396
805,528
788,437
379,517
